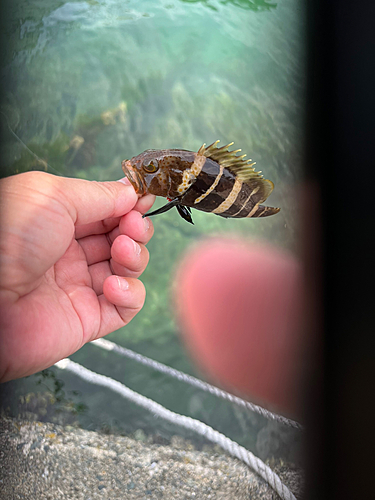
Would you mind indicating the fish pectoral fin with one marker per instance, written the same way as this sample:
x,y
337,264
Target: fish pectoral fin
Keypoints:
x,y
185,213
163,209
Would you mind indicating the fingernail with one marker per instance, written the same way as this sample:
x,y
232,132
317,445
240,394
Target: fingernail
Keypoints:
x,y
146,222
125,181
137,248
122,283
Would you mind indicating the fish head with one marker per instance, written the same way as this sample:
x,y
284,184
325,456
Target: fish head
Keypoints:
x,y
154,171
148,173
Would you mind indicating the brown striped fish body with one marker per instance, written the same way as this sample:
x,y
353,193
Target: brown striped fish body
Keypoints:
x,y
213,180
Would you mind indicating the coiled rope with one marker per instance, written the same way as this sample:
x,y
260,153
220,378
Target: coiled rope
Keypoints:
x,y
189,423
111,346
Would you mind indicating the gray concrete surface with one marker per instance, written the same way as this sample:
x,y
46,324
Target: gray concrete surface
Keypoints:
x,y
49,462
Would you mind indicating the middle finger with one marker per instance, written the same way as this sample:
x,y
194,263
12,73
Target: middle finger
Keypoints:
x,y
136,227
129,258
97,247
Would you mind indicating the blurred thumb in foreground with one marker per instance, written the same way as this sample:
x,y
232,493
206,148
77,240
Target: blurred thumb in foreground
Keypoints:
x,y
240,309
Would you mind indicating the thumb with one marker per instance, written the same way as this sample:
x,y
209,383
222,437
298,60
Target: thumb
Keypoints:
x,y
91,201
39,215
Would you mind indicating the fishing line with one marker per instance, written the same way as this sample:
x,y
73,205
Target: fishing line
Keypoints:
x,y
27,148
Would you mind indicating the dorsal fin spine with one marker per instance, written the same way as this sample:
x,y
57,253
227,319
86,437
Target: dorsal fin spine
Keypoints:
x,y
242,168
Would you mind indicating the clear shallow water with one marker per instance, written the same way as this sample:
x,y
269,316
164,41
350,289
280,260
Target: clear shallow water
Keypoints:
x,y
125,76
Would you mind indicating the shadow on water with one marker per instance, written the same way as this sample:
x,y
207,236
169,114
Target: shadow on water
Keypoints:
x,y
88,84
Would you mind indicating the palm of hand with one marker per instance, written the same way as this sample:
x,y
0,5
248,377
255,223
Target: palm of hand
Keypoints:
x,y
65,288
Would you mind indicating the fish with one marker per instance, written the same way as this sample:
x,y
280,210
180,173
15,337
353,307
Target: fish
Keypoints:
x,y
213,180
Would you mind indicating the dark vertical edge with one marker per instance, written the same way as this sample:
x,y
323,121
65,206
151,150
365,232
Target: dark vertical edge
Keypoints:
x,y
340,166
4,48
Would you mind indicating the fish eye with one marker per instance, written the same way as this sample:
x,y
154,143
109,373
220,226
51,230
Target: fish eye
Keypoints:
x,y
151,166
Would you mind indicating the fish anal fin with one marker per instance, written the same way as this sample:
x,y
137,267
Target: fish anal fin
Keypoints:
x,y
185,213
263,211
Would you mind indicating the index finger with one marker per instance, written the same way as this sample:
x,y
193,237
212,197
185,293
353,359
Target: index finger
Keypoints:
x,y
99,227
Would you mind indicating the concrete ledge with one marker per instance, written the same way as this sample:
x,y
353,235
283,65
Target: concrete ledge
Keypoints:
x,y
50,462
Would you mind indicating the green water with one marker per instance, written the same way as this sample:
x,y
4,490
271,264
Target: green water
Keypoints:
x,y
126,76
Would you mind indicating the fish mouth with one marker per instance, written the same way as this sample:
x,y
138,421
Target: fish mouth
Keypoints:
x,y
133,176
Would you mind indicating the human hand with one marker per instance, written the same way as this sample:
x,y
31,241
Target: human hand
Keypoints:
x,y
71,253
240,308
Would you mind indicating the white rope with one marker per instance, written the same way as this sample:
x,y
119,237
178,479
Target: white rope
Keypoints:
x,y
111,346
204,430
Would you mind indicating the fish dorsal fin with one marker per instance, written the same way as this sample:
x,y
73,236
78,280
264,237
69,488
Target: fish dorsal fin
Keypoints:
x,y
242,168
